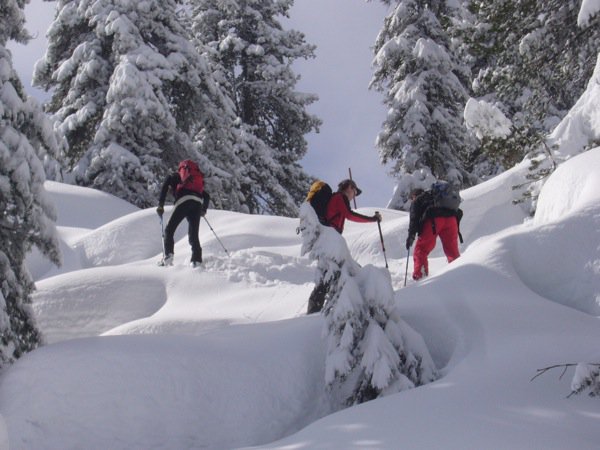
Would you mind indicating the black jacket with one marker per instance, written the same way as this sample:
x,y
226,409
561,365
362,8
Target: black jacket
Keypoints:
x,y
422,208
171,182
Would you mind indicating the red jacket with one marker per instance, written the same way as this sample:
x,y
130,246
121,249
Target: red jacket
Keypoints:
x,y
338,210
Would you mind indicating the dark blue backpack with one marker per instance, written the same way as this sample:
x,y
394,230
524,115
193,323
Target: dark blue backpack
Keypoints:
x,y
445,195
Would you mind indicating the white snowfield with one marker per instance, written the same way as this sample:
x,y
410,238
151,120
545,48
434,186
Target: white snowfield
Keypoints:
x,y
144,357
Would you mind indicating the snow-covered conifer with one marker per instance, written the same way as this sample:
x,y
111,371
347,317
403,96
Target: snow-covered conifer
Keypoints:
x,y
252,55
533,61
129,89
370,350
26,213
425,88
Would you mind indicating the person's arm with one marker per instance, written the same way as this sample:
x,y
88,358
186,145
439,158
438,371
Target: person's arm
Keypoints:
x,y
413,225
206,200
415,215
459,214
170,182
357,217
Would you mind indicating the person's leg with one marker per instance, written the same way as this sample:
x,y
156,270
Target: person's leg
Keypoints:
x,y
194,209
448,231
177,216
425,244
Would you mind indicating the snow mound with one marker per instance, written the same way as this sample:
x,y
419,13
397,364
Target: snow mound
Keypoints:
x,y
83,207
103,246
552,254
162,391
573,186
582,124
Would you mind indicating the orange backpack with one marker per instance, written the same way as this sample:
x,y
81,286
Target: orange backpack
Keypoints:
x,y
318,196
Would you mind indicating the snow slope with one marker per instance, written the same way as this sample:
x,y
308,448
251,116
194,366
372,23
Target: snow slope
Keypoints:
x,y
140,356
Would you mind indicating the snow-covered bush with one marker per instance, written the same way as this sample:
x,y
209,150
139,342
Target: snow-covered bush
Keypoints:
x,y
586,378
370,350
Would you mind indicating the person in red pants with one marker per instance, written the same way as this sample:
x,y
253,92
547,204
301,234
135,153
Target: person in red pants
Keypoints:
x,y
429,222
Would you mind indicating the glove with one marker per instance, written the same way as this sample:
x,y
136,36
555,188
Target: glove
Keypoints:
x,y
377,216
409,241
202,212
160,210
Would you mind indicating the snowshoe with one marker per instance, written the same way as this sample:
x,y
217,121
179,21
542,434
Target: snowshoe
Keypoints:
x,y
166,261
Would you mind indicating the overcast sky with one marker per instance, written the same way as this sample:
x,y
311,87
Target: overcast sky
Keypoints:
x,y
344,32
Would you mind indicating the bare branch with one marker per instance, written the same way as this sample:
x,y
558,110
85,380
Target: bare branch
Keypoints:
x,y
546,369
565,367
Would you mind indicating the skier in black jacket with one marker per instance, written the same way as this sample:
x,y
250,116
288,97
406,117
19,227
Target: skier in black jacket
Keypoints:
x,y
428,222
191,203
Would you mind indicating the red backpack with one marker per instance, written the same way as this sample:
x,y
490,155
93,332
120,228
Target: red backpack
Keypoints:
x,y
192,179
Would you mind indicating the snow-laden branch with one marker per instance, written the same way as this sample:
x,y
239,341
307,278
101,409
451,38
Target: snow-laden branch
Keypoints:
x,y
586,377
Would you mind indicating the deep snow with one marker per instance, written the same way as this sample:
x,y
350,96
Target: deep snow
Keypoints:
x,y
144,357
140,356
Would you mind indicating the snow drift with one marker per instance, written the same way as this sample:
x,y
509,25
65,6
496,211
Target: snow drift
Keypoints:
x,y
140,356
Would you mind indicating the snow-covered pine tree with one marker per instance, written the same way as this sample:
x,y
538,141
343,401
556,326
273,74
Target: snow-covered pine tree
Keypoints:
x,y
129,89
218,158
371,351
252,55
533,61
26,213
426,88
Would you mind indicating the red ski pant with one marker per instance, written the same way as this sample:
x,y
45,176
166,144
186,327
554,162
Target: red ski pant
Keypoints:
x,y
447,229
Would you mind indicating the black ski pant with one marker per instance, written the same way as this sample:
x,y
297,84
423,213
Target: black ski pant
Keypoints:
x,y
192,211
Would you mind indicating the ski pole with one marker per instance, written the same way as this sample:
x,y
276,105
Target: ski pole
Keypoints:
x,y
162,233
407,259
382,244
350,174
211,229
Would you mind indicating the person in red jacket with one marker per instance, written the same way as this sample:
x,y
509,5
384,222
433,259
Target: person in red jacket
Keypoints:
x,y
338,208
